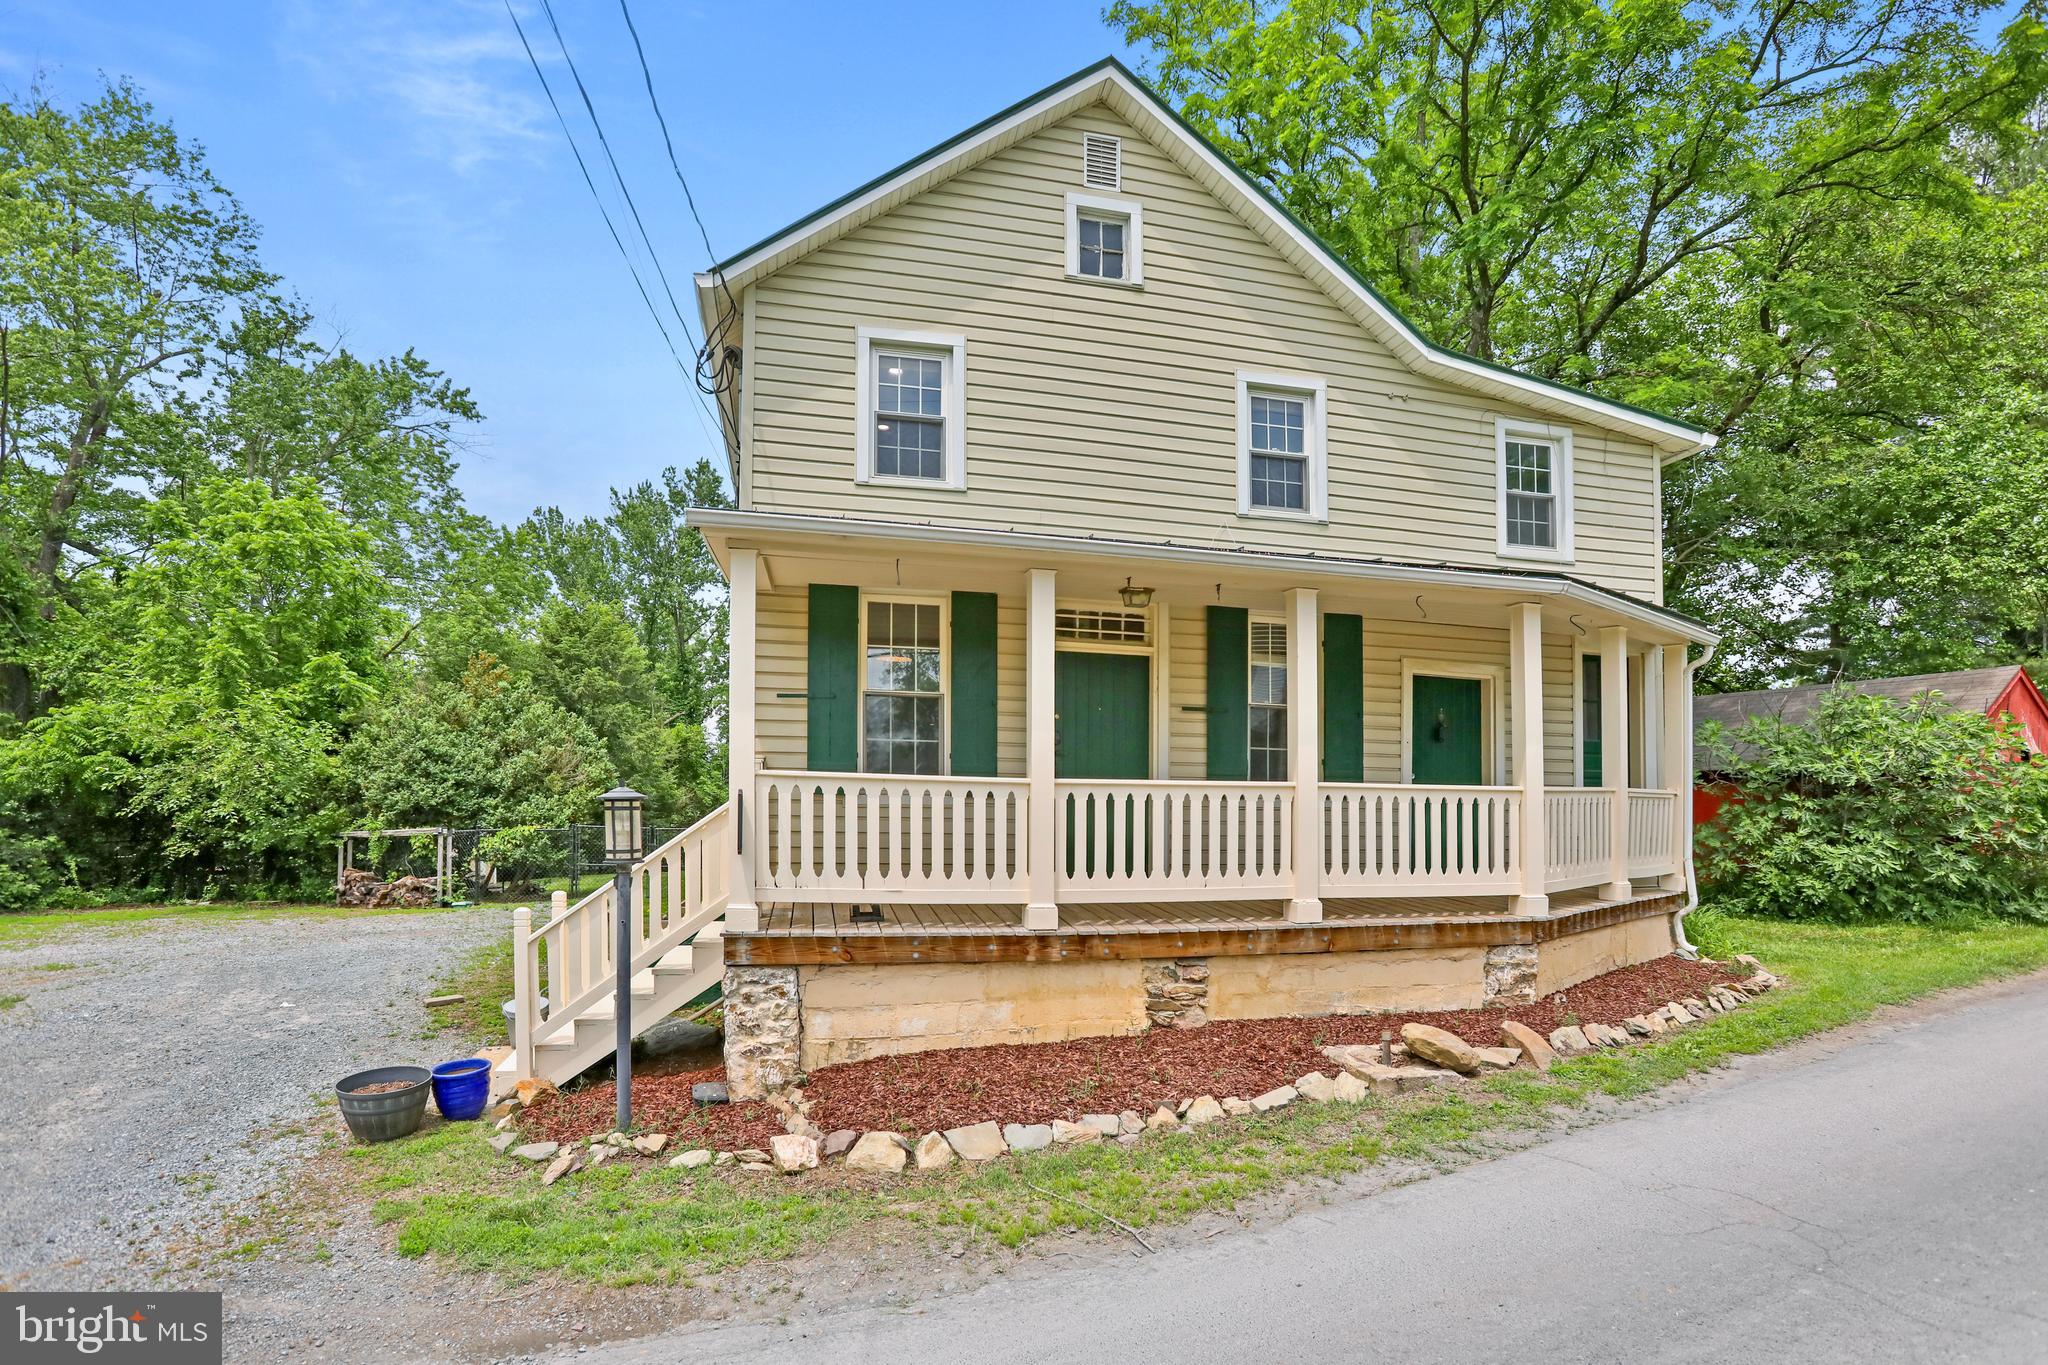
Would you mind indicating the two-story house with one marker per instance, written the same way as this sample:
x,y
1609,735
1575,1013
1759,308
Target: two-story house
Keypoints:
x,y
1133,617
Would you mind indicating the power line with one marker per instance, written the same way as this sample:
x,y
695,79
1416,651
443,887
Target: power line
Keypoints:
x,y
605,213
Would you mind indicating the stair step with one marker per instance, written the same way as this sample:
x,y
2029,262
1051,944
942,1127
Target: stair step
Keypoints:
x,y
674,961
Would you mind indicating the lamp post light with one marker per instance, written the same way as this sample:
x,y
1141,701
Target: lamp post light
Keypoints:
x,y
624,841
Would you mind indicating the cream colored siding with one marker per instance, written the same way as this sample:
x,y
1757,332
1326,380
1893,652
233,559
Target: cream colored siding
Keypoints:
x,y
1010,741
1111,410
781,668
1188,691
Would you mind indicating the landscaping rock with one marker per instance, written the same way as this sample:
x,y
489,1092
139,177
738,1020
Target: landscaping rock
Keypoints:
x,y
503,1142
1202,1109
1442,1047
881,1152
1065,1133
747,1154
537,1151
1499,1058
1745,960
1109,1125
1695,1006
1639,1025
757,1166
1236,1107
1348,1089
1654,1021
723,1159
600,1155
1128,1139
794,1152
1535,1051
1128,1123
532,1091
1275,1099
1316,1086
650,1144
1570,1040
558,1168
934,1153
979,1141
690,1160
1026,1137
1163,1119
837,1143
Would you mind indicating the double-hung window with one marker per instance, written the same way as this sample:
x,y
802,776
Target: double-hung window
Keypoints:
x,y
903,699
1268,698
1105,239
910,418
1535,506
1281,469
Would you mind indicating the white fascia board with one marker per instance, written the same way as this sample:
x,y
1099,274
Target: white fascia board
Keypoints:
x,y
1532,584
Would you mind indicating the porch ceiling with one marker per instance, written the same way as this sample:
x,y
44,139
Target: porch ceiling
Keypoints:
x,y
799,549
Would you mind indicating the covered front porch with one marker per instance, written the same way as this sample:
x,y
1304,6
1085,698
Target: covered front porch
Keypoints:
x,y
1050,734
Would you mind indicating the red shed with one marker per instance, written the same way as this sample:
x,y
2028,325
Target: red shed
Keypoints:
x,y
1993,691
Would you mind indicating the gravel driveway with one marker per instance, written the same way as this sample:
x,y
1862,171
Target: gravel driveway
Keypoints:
x,y
150,1062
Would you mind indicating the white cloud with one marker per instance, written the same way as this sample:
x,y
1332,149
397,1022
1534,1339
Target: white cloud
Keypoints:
x,y
455,69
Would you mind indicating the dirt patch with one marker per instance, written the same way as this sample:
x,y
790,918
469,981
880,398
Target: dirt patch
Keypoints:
x,y
1039,1082
661,1104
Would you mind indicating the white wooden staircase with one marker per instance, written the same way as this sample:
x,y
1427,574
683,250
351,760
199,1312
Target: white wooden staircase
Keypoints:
x,y
679,898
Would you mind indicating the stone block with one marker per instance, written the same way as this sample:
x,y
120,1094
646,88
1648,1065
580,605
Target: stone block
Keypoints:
x,y
978,1141
1441,1048
763,1030
794,1152
1202,1109
1277,1098
1025,1137
1535,1051
1316,1086
882,1152
934,1153
1510,974
1065,1133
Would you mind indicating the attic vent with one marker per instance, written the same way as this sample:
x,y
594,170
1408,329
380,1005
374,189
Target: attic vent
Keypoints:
x,y
1101,161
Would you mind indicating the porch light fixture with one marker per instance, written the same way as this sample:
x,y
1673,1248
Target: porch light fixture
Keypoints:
x,y
1134,597
624,826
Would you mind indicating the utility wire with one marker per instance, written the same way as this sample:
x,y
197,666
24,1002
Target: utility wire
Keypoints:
x,y
715,364
605,213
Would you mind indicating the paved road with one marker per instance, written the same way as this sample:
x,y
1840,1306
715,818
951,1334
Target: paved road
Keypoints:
x,y
1887,1201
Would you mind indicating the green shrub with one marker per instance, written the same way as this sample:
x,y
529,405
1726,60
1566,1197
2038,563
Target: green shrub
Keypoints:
x,y
1878,810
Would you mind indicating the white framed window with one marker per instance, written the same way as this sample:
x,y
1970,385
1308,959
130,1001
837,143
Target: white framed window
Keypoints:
x,y
1533,468
910,408
903,686
1282,448
1268,697
1105,239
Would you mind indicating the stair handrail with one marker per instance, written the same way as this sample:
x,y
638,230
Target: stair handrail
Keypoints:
x,y
693,871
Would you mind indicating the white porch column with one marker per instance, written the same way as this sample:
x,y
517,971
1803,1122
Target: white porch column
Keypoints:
x,y
1676,772
1614,755
1304,752
1525,681
741,913
1041,909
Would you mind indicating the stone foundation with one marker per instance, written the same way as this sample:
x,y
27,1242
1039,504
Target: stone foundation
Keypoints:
x,y
1177,993
1285,984
1511,970
1568,961
763,1030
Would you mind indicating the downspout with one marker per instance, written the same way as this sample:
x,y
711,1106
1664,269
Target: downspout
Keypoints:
x,y
1692,879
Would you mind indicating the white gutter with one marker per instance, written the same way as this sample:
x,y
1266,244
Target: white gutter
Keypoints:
x,y
1692,876
1527,585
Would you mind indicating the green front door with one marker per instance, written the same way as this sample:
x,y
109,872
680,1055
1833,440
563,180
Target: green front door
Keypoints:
x,y
1448,731
1103,721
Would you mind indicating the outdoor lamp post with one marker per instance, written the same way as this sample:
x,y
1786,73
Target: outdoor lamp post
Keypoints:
x,y
624,840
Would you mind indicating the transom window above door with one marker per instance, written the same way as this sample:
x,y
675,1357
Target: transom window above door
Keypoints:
x,y
1534,478
903,702
1281,469
910,413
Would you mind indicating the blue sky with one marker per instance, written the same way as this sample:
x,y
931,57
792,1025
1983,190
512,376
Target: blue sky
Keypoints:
x,y
414,189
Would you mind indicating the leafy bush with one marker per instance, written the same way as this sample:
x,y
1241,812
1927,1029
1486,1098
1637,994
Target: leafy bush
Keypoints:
x,y
1878,810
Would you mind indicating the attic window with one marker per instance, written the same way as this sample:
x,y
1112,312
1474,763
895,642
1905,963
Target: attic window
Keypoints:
x,y
1102,161
1105,239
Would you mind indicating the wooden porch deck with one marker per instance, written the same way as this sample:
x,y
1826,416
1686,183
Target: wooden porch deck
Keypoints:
x,y
823,934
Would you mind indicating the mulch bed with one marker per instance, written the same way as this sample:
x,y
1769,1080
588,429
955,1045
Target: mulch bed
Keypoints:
x,y
1038,1082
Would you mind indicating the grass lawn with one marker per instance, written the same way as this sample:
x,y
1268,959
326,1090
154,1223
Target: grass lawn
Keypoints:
x,y
446,1195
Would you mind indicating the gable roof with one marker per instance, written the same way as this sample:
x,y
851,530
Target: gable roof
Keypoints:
x,y
1110,83
1969,689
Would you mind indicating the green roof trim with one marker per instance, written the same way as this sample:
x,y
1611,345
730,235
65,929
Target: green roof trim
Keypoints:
x,y
1112,63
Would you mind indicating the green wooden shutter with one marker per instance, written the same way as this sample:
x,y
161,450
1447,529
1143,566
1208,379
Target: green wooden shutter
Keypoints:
x,y
974,684
1343,698
1229,684
832,732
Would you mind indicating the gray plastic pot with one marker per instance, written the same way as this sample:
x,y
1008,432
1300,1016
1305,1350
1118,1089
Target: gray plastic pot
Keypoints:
x,y
510,1009
389,1113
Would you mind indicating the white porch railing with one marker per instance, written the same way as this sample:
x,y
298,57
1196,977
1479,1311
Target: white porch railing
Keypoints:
x,y
820,837
1395,840
1145,840
1652,833
678,889
1578,827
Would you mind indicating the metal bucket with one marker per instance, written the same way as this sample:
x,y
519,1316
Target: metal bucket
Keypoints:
x,y
389,1113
